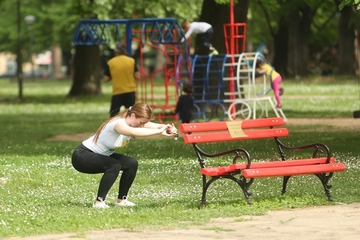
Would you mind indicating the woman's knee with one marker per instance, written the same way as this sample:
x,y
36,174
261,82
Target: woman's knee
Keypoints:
x,y
126,162
131,163
116,168
134,163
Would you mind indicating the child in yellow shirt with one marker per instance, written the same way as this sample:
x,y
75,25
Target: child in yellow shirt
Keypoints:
x,y
275,79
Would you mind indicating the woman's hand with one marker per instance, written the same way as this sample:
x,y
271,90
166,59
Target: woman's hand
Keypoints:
x,y
171,130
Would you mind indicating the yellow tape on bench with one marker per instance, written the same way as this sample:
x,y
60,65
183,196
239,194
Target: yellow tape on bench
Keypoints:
x,y
235,129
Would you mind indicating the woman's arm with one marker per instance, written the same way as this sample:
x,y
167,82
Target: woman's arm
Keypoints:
x,y
122,128
153,125
170,128
138,132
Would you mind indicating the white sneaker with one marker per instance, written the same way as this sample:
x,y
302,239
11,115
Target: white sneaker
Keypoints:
x,y
124,203
100,205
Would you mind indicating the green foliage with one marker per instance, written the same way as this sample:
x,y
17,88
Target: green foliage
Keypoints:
x,y
264,20
324,28
223,1
41,192
186,9
258,30
55,24
344,3
63,19
314,3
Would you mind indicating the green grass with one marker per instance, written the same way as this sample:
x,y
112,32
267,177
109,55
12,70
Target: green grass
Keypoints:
x,y
41,192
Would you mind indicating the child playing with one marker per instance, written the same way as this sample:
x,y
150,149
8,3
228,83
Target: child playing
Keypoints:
x,y
275,79
203,29
185,104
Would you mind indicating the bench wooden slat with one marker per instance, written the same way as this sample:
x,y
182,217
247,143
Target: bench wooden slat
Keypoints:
x,y
223,170
217,171
290,171
220,126
287,163
225,136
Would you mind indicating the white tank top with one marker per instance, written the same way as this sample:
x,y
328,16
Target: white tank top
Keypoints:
x,y
109,140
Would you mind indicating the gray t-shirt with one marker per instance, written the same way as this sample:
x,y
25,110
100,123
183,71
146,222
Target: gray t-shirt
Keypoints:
x,y
109,140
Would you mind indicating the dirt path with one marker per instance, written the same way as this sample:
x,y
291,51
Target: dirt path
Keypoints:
x,y
340,222
347,124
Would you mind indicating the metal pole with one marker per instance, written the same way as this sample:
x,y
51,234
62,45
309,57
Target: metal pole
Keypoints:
x,y
232,49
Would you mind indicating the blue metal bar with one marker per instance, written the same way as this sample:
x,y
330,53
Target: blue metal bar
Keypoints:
x,y
128,38
124,21
96,32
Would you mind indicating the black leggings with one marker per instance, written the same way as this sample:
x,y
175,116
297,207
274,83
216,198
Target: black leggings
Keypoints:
x,y
86,161
124,99
206,38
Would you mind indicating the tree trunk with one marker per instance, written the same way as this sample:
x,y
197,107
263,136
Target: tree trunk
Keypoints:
x,y
347,62
281,40
88,73
57,62
299,33
214,13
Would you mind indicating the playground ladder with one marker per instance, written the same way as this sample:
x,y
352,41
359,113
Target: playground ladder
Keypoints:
x,y
250,91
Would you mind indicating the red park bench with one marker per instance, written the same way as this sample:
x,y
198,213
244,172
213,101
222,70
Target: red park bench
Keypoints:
x,y
320,163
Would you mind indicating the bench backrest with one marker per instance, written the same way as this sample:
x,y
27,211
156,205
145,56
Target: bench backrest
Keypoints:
x,y
219,131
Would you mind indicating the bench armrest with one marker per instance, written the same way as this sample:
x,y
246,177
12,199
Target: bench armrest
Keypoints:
x,y
320,149
239,153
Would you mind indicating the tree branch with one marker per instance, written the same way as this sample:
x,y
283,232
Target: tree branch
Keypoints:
x,y
267,17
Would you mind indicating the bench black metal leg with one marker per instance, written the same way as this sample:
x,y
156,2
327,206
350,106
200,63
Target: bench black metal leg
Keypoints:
x,y
245,188
285,181
325,180
204,188
241,182
206,185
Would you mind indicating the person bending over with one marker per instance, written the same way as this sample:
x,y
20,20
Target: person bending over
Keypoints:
x,y
97,153
203,29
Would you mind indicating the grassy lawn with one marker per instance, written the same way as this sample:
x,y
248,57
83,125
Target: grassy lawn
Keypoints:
x,y
41,192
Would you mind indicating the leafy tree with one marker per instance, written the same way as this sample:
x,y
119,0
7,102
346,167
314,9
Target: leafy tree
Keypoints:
x,y
268,25
54,24
87,74
344,3
295,25
346,38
